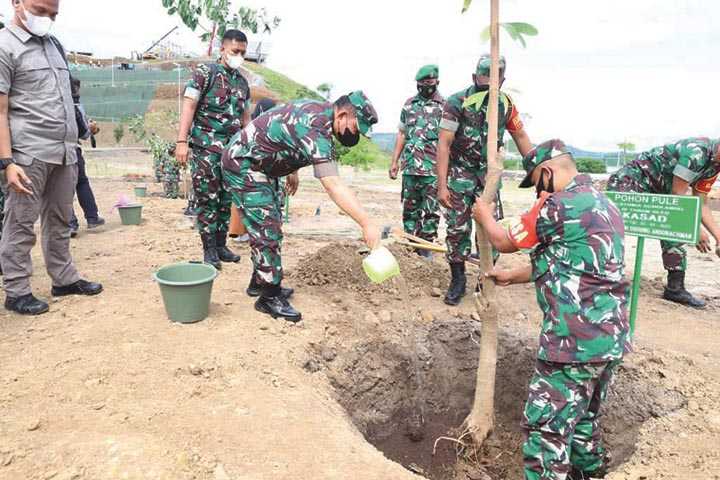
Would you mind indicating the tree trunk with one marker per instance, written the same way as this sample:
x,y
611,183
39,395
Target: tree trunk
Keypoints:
x,y
212,40
481,421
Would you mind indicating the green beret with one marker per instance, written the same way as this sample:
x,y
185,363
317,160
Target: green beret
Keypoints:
x,y
427,72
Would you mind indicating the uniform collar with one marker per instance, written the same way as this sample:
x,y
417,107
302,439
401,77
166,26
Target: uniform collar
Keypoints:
x,y
435,98
21,34
579,180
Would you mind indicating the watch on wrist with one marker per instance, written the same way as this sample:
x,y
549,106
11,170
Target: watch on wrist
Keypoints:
x,y
5,162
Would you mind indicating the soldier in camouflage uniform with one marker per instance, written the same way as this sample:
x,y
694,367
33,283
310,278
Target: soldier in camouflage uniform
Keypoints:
x,y
279,143
462,163
575,238
417,144
217,100
673,169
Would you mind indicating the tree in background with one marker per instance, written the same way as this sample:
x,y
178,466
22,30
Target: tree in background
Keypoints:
x,y
325,89
221,19
119,132
626,147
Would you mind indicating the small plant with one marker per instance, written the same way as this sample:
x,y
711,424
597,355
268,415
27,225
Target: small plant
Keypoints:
x,y
119,132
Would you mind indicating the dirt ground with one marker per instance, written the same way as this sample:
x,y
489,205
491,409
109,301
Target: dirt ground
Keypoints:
x,y
108,388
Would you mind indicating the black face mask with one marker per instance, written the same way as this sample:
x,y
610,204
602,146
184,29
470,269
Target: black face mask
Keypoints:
x,y
348,139
482,88
542,186
427,91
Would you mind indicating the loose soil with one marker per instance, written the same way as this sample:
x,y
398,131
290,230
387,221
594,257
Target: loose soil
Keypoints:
x,y
107,387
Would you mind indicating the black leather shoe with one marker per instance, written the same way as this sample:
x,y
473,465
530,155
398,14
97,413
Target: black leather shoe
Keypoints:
x,y
81,287
458,284
74,231
675,291
26,305
224,253
99,222
210,251
255,290
278,307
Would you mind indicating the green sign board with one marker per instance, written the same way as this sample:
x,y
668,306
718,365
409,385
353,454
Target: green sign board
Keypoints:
x,y
675,218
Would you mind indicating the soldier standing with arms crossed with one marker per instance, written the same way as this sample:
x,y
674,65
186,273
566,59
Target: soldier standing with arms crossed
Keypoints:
x,y
417,144
216,105
462,163
576,240
692,163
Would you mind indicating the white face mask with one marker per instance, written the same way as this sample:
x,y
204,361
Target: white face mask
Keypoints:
x,y
234,61
38,26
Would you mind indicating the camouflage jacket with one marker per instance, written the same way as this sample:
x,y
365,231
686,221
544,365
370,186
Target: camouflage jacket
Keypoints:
x,y
420,122
285,139
465,114
577,248
690,159
223,96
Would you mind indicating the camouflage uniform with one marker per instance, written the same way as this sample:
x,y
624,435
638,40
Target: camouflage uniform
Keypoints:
x,y
158,168
653,172
420,122
223,96
465,114
576,242
274,145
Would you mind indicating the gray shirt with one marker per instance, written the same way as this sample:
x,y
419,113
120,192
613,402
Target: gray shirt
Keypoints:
x,y
35,77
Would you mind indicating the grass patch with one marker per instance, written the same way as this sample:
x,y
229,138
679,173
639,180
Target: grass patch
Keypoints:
x,y
284,87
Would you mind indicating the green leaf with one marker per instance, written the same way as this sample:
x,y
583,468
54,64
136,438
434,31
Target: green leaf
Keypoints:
x,y
485,34
523,28
466,5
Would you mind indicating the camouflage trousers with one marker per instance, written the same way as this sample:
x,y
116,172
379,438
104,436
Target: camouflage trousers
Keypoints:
x,y
465,185
171,181
561,419
259,198
674,255
212,200
421,210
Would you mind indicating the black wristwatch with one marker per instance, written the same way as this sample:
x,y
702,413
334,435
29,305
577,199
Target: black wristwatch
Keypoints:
x,y
5,162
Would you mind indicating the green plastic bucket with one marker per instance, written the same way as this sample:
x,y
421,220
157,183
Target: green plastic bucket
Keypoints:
x,y
186,289
141,191
130,214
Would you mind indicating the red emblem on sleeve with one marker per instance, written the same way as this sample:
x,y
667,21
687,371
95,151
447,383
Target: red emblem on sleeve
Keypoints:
x,y
704,186
523,234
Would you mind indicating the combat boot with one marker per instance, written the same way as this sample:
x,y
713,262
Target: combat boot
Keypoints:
x,y
210,253
255,289
458,284
224,253
274,304
675,291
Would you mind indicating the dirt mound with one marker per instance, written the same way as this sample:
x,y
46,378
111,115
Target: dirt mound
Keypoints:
x,y
407,383
338,267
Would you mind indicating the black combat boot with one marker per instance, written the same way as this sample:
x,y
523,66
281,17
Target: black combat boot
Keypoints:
x,y
274,304
224,253
26,305
255,290
675,291
458,284
210,253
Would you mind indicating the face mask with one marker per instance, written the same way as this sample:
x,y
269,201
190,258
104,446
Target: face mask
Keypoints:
x,y
482,88
427,91
234,61
542,187
38,26
349,139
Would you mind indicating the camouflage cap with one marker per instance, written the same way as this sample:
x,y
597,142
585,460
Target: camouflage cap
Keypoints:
x,y
427,72
366,114
541,153
485,63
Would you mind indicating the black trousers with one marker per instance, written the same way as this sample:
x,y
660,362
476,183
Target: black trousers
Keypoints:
x,y
84,194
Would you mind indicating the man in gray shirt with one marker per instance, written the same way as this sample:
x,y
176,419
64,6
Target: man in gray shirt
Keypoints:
x,y
39,135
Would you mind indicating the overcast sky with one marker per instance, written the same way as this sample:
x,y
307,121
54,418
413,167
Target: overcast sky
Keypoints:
x,y
598,73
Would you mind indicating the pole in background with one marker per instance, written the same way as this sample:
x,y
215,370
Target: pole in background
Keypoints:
x,y
635,298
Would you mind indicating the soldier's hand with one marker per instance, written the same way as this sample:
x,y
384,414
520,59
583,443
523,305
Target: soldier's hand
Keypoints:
x,y
181,153
444,197
502,278
394,169
292,182
704,243
372,235
94,128
17,180
482,210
